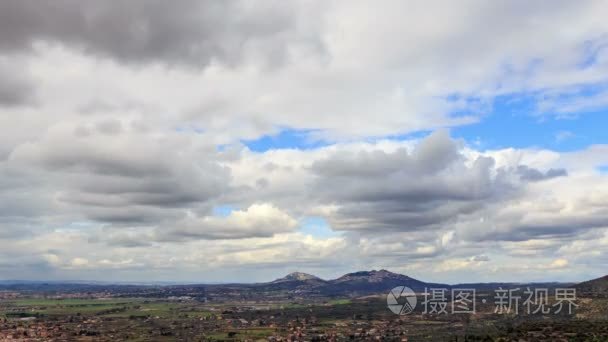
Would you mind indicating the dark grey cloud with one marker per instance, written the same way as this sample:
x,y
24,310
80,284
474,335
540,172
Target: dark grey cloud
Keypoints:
x,y
533,175
193,32
16,87
427,187
557,226
96,177
530,217
432,154
435,186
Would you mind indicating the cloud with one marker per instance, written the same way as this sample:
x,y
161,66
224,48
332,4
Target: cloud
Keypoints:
x,y
252,70
559,263
259,220
16,86
562,136
93,173
79,262
424,199
430,200
528,174
407,191
573,101
191,32
122,127
481,258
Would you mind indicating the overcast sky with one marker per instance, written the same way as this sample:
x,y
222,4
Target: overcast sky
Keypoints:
x,y
241,140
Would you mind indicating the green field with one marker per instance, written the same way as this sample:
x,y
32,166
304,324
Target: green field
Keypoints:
x,y
127,307
340,301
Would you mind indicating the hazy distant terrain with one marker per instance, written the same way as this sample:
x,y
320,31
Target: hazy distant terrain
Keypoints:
x,y
294,284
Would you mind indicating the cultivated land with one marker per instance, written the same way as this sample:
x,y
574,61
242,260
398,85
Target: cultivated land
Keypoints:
x,y
296,307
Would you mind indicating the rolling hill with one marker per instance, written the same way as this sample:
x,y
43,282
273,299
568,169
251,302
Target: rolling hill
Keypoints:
x,y
596,287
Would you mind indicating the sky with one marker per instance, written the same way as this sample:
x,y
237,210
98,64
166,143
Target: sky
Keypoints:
x,y
237,141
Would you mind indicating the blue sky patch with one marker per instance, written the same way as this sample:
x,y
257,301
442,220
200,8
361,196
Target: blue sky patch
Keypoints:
x,y
286,138
223,210
317,227
512,123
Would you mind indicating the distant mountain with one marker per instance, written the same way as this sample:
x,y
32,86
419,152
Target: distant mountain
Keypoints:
x,y
299,276
370,277
351,284
367,282
296,282
595,287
